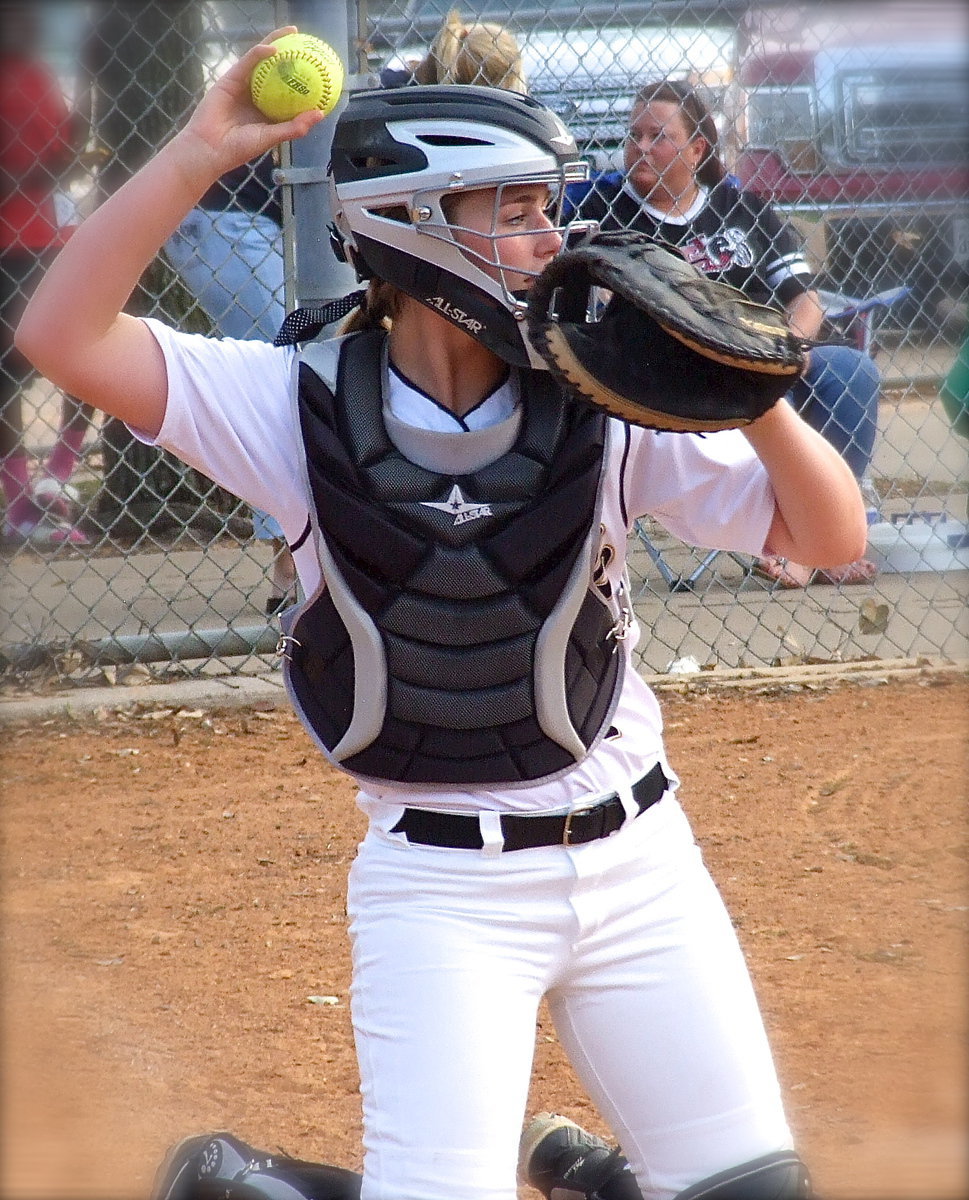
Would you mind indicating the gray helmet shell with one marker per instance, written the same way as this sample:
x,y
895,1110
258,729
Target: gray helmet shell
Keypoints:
x,y
397,152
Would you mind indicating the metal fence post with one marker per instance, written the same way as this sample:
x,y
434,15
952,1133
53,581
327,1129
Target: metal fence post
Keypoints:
x,y
318,274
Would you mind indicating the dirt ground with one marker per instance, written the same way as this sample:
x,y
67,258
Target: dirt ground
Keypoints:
x,y
175,956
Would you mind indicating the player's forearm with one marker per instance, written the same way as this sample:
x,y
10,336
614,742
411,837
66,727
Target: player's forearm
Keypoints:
x,y
820,514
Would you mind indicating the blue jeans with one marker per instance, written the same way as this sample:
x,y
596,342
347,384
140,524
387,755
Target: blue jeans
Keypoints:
x,y
232,263
838,396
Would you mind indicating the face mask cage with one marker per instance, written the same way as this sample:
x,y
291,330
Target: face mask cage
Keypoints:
x,y
429,218
387,211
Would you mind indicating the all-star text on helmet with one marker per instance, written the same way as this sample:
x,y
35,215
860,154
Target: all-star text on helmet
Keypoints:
x,y
398,154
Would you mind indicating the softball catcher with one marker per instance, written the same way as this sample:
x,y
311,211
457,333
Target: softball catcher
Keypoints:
x,y
458,516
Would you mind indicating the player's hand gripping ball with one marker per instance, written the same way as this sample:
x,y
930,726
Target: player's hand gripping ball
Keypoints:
x,y
304,73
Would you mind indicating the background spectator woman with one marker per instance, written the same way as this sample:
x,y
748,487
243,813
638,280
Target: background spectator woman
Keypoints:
x,y
676,188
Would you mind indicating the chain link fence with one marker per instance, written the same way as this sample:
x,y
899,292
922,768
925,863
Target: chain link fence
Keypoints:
x,y
850,118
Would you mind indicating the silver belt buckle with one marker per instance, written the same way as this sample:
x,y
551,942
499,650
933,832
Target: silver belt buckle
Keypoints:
x,y
567,828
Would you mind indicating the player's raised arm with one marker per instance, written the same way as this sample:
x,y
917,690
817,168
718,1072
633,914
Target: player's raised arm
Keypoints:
x,y
74,330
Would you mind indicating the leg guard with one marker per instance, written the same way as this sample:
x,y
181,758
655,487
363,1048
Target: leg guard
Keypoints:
x,y
219,1166
774,1177
294,1179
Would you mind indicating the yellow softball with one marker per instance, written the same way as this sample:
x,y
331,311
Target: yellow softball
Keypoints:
x,y
303,74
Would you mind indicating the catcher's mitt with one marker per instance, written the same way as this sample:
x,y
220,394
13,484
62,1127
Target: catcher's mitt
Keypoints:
x,y
671,349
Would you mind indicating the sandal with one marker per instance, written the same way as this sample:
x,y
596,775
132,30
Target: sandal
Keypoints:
x,y
783,572
863,570
787,574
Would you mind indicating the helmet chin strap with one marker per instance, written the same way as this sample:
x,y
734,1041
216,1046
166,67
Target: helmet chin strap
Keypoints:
x,y
304,324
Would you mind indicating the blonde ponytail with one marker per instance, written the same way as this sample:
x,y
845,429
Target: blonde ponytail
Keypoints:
x,y
483,53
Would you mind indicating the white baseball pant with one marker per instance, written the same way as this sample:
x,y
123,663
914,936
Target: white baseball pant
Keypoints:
x,y
628,937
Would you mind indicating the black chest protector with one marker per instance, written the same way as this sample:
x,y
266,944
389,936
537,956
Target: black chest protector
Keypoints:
x,y
459,639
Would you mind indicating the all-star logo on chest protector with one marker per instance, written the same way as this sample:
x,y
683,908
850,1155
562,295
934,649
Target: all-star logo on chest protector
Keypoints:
x,y
459,507
459,637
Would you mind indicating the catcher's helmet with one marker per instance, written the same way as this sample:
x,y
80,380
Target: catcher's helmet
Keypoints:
x,y
397,152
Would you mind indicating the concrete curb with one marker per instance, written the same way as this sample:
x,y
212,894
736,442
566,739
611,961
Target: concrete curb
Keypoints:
x,y
245,691
233,691
808,675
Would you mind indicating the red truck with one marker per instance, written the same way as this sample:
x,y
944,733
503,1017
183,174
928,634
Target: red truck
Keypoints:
x,y
864,142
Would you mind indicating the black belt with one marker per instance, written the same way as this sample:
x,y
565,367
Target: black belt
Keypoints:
x,y
523,832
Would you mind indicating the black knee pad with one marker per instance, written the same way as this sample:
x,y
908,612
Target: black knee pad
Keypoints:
x,y
220,1166
774,1177
293,1179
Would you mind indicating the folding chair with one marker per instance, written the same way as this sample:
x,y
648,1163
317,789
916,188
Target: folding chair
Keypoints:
x,y
855,316
683,583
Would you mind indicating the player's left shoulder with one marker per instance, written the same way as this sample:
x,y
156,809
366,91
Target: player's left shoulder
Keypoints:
x,y
628,446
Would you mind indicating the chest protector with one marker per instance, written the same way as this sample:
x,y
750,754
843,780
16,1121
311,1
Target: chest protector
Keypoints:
x,y
458,639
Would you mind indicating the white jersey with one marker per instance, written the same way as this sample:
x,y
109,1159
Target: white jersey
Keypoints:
x,y
231,415
453,949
